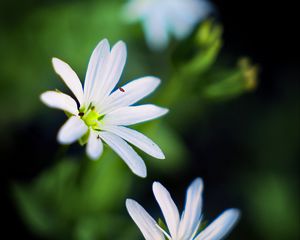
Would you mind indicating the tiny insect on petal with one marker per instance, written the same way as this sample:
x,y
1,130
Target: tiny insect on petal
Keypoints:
x,y
121,89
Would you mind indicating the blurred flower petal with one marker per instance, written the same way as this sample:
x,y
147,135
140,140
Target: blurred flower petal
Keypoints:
x,y
156,30
163,18
72,130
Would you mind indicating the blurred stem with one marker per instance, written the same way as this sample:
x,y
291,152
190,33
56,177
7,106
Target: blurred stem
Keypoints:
x,y
83,169
84,162
61,152
181,86
172,90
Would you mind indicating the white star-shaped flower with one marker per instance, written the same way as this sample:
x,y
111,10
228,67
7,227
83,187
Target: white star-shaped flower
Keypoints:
x,y
101,114
162,18
184,227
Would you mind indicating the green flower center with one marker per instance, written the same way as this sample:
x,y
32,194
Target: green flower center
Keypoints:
x,y
91,117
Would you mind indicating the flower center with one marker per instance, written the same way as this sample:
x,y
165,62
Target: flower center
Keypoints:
x,y
91,117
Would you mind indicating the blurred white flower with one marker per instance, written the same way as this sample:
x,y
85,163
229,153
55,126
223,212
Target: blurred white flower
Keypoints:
x,y
99,114
162,18
186,226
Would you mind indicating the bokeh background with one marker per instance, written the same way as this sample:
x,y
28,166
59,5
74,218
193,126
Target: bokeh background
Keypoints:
x,y
242,139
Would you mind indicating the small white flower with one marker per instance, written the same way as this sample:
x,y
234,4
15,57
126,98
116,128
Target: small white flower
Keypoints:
x,y
161,18
99,114
186,226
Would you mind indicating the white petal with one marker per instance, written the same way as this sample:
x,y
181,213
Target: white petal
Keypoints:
x,y
144,221
69,77
135,10
167,207
126,152
180,26
94,146
130,93
95,72
135,114
137,139
184,15
192,212
72,130
60,101
221,226
156,30
112,72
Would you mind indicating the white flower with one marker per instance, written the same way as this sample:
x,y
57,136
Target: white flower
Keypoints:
x,y
161,18
186,226
99,114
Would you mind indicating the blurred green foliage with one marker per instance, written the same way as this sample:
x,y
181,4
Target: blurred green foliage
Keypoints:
x,y
274,198
77,201
69,31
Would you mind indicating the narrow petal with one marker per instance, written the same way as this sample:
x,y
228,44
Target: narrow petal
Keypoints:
x,y
221,226
135,114
184,15
95,71
137,139
180,26
60,101
130,93
156,30
167,207
135,10
94,146
126,152
144,221
112,72
72,130
69,77
192,213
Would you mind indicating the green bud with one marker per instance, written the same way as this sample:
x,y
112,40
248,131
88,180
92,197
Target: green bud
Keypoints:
x,y
250,73
234,82
208,42
208,33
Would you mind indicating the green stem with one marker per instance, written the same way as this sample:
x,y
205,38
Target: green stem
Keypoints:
x,y
83,169
61,152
